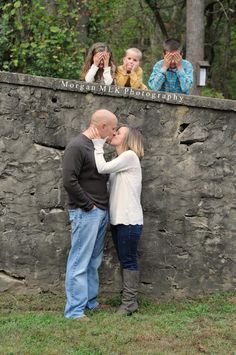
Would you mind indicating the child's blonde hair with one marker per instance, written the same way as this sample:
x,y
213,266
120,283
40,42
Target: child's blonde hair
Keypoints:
x,y
139,53
95,48
133,140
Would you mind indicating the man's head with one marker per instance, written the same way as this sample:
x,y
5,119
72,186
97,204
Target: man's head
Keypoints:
x,y
132,59
172,46
106,123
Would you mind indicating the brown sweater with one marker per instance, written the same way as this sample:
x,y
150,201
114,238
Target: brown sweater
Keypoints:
x,y
84,185
133,80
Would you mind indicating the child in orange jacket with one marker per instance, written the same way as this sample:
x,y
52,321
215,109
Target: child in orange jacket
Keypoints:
x,y
130,74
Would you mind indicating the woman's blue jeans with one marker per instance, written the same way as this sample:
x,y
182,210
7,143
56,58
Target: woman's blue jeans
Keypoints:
x,y
126,238
87,240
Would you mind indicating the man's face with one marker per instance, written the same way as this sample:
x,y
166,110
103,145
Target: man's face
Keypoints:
x,y
109,128
175,55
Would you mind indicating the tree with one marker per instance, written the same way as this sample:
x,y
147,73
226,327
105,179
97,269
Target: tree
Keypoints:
x,y
83,21
155,7
41,37
195,37
50,37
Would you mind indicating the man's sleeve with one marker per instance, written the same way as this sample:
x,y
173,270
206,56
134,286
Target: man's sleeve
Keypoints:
x,y
72,164
186,77
158,77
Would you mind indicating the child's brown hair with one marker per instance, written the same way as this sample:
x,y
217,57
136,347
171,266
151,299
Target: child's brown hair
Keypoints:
x,y
95,48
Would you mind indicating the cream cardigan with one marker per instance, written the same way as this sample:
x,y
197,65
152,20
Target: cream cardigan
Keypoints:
x,y
90,76
125,184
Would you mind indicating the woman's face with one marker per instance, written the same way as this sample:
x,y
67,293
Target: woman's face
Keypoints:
x,y
100,54
118,139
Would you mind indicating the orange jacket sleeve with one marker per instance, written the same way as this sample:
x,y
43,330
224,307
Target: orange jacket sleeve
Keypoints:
x,y
135,77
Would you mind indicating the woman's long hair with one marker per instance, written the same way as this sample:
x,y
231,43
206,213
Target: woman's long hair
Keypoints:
x,y
95,48
134,141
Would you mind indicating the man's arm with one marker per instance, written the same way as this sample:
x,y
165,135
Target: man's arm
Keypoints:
x,y
185,75
157,77
72,164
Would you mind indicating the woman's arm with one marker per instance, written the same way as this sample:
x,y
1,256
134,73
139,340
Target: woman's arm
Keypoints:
x,y
123,162
107,76
90,76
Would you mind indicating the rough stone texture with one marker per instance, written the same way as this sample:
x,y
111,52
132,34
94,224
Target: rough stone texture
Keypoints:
x,y
188,243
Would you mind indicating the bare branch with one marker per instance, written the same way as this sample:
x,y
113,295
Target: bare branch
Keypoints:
x,y
223,9
155,9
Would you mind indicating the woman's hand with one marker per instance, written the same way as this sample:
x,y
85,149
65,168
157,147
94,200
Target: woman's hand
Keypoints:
x,y
93,133
97,58
106,59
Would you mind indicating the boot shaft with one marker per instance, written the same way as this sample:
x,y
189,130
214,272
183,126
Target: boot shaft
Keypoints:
x,y
130,291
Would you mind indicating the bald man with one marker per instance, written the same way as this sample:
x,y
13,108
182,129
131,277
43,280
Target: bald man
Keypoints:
x,y
88,213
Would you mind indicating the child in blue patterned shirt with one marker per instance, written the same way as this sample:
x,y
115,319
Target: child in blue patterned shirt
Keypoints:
x,y
172,74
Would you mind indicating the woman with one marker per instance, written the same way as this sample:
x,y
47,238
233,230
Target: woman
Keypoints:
x,y
126,216
99,65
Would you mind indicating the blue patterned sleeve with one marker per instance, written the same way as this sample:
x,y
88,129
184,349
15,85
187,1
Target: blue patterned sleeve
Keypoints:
x,y
186,77
158,76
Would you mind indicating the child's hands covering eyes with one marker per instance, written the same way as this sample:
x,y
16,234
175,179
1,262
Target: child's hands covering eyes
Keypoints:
x,y
106,58
97,58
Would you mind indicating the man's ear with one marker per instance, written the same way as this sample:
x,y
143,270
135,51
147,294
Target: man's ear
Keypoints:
x,y
103,125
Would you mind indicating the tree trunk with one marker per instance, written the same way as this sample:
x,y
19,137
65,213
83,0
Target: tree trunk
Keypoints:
x,y
51,7
83,21
154,6
195,37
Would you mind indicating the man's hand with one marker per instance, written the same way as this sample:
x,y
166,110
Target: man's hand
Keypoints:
x,y
177,57
167,60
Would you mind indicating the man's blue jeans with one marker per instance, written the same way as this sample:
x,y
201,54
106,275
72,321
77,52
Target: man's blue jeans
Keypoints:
x,y
126,238
87,239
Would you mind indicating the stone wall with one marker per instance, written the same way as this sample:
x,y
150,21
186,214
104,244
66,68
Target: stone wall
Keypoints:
x,y
188,243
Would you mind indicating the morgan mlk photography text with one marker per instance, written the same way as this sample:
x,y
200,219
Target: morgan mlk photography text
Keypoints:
x,y
122,91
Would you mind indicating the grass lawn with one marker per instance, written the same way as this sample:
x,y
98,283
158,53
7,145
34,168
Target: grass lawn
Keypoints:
x,y
34,324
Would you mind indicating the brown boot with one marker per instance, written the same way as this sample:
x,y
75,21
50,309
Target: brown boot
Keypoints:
x,y
130,292
122,281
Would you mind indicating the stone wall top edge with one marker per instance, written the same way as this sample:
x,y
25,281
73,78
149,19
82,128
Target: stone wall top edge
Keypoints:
x,y
58,84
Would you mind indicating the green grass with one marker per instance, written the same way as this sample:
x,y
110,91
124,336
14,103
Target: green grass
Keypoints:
x,y
34,324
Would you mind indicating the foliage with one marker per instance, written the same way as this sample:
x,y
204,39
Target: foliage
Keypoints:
x,y
220,46
36,42
133,24
36,324
124,25
210,92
